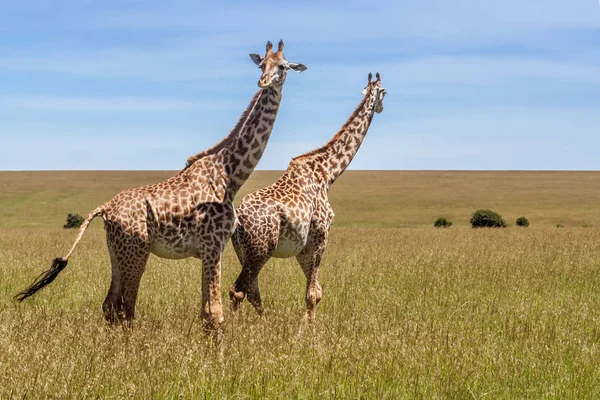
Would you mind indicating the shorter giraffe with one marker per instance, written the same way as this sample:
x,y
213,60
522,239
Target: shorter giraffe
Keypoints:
x,y
292,217
190,214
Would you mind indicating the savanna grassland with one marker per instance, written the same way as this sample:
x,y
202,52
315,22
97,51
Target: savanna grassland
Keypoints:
x,y
409,311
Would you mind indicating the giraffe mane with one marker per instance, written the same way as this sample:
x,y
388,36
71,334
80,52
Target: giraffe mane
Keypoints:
x,y
227,139
323,148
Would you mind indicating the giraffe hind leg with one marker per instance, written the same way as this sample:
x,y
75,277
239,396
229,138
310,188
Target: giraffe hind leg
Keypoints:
x,y
246,284
113,303
254,296
254,243
128,257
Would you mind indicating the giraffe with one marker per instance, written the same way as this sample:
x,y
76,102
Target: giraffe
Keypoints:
x,y
190,214
292,217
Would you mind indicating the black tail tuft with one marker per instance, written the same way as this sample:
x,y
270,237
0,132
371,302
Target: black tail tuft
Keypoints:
x,y
44,279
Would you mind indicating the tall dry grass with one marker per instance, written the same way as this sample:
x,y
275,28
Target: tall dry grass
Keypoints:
x,y
411,312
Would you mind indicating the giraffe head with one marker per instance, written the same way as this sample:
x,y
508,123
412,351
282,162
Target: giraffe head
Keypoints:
x,y
377,91
274,66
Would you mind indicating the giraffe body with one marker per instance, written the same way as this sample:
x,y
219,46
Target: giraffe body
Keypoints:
x,y
190,214
289,217
293,216
181,217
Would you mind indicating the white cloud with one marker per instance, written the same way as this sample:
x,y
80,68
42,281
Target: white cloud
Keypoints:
x,y
388,19
479,70
155,65
102,104
461,76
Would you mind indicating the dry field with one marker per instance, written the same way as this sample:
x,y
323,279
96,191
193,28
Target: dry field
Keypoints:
x,y
409,311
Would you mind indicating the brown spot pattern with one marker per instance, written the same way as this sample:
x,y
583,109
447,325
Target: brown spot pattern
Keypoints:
x,y
292,217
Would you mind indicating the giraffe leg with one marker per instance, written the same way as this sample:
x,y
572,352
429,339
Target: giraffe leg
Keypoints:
x,y
254,244
314,292
113,304
254,296
310,259
247,285
212,306
128,256
131,285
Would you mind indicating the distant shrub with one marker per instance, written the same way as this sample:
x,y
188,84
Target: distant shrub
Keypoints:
x,y
522,221
487,219
73,221
560,226
442,222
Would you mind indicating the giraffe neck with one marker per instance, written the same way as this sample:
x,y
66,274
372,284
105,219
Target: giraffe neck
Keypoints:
x,y
331,160
241,155
239,152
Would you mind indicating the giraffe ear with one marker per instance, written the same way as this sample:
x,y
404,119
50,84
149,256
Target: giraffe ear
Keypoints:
x,y
296,67
364,91
256,58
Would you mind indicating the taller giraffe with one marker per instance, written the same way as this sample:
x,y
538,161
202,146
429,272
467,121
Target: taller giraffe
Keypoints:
x,y
292,217
190,214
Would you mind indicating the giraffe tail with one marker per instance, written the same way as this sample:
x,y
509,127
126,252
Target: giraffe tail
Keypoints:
x,y
59,263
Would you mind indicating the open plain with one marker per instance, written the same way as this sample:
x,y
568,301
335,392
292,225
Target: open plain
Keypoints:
x,y
409,311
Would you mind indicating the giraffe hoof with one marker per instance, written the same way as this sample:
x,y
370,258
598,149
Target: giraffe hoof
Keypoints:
x,y
236,295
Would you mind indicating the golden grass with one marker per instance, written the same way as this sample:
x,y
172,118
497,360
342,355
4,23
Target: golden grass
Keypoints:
x,y
413,312
360,198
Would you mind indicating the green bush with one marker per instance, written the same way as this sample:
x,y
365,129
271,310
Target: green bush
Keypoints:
x,y
487,219
73,221
442,222
522,221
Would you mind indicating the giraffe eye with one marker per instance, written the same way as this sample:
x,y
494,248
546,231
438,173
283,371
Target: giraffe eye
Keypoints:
x,y
281,67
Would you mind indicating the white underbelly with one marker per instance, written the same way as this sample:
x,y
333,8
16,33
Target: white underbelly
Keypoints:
x,y
289,247
172,252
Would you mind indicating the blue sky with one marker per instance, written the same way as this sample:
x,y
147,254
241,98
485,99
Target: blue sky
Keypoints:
x,y
144,84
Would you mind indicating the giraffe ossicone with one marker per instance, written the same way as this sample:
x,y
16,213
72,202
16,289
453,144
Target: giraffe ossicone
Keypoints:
x,y
189,215
292,217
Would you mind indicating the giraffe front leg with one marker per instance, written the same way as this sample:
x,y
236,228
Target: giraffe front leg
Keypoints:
x,y
310,259
314,293
212,306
